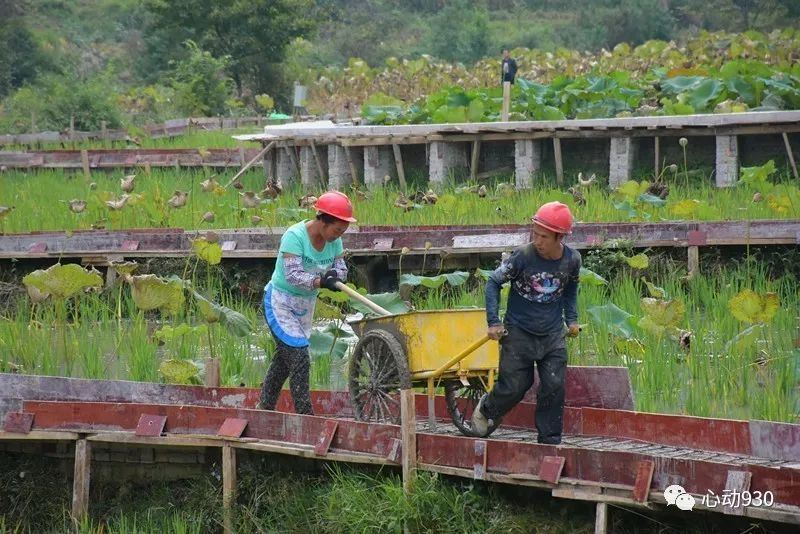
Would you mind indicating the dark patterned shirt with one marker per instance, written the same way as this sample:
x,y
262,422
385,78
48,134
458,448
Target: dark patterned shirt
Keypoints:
x,y
543,295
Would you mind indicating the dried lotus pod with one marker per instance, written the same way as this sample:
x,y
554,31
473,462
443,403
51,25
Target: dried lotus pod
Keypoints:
x,y
77,205
128,183
117,204
250,199
178,199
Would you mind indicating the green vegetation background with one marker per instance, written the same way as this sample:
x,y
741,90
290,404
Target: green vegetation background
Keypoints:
x,y
129,62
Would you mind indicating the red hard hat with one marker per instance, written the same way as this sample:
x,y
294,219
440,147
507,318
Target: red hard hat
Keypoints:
x,y
554,216
336,204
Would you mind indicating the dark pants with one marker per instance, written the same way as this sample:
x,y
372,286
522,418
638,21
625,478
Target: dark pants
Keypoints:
x,y
519,352
292,363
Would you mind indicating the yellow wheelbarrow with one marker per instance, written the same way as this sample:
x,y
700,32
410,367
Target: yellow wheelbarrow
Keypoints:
x,y
428,349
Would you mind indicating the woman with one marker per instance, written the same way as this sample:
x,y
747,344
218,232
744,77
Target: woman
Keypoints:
x,y
310,257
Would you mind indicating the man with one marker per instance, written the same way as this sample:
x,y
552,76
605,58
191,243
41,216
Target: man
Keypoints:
x,y
543,296
309,258
508,69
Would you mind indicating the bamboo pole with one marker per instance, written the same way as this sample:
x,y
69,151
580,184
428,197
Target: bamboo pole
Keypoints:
x,y
251,163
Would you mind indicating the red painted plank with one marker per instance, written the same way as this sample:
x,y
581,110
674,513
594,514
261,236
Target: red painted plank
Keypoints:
x,y
18,422
697,477
150,425
351,436
550,468
326,437
599,387
232,427
644,478
683,431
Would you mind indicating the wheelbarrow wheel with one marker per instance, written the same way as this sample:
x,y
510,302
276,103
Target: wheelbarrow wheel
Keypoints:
x,y
461,402
378,371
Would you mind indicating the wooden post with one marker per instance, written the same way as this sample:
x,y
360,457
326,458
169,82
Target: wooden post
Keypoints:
x,y
408,433
693,259
147,169
212,373
228,485
323,180
33,122
657,150
791,155
398,161
241,154
293,157
506,101
559,161
80,481
601,518
71,127
353,170
87,173
103,130
476,154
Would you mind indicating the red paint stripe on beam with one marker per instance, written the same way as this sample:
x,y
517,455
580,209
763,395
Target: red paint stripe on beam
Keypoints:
x,y
678,430
353,436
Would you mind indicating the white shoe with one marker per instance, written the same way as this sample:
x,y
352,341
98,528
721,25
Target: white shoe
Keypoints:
x,y
480,424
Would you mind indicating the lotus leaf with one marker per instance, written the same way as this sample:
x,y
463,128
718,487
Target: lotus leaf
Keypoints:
x,y
63,281
151,292
617,320
751,307
179,372
391,302
209,252
454,279
589,277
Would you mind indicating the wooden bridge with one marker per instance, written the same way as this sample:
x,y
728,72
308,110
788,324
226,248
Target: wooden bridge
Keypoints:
x,y
610,454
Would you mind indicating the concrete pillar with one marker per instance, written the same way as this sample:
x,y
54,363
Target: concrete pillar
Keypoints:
x,y
378,163
527,161
309,172
620,161
339,172
727,161
285,171
446,160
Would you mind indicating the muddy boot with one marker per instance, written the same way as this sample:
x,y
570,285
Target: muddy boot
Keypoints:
x,y
480,423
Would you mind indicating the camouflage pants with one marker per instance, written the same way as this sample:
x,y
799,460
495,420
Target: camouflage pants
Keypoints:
x,y
293,363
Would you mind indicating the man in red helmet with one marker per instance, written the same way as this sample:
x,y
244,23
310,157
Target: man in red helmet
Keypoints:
x,y
309,257
542,310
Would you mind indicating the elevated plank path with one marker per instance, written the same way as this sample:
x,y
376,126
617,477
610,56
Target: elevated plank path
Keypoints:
x,y
609,455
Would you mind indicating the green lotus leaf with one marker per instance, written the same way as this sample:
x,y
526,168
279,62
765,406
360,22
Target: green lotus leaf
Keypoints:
x,y
151,292
63,281
179,372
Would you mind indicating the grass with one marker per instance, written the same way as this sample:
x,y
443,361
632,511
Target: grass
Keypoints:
x,y
275,497
41,200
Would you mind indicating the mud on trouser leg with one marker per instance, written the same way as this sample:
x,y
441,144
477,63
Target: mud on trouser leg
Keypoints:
x,y
550,397
515,373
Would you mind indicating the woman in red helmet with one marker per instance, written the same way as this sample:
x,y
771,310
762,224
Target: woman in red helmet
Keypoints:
x,y
309,257
542,309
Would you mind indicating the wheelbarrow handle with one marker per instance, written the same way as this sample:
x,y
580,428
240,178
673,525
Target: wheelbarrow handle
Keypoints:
x,y
362,299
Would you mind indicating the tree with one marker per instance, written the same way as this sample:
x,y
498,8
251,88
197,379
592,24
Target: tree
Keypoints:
x,y
459,32
20,56
254,34
201,86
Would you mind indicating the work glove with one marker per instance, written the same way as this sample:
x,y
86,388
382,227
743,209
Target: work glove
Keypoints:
x,y
329,279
